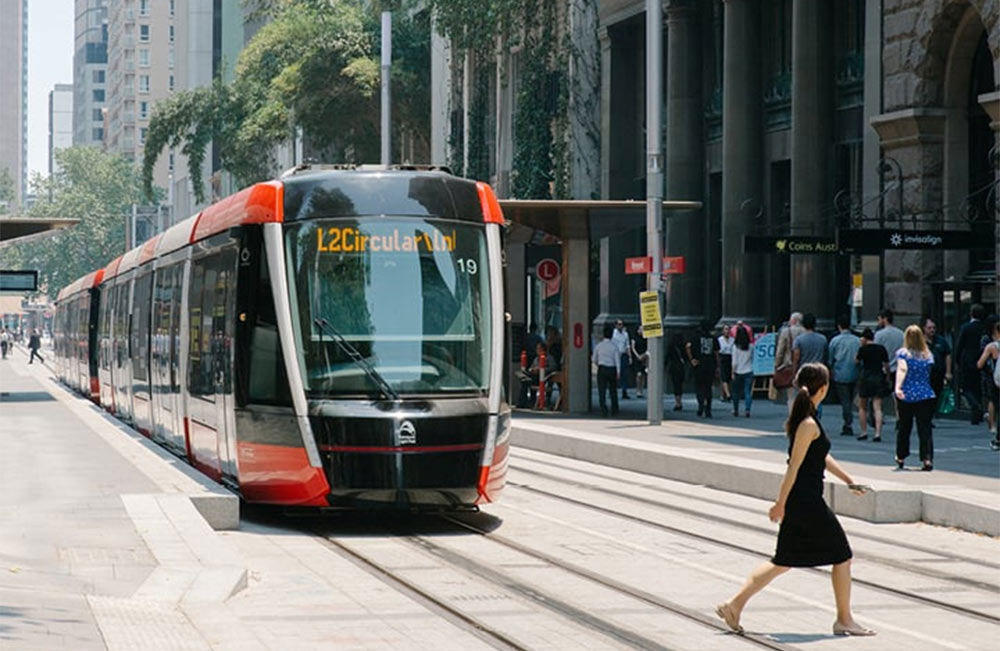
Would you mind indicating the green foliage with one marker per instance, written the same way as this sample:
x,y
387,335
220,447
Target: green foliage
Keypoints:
x,y
312,67
8,189
94,187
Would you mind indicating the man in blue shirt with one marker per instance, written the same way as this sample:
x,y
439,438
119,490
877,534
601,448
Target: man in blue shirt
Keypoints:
x,y
844,369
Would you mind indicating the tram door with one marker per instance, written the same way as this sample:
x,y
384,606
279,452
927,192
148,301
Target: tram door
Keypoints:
x,y
210,362
121,367
168,424
141,394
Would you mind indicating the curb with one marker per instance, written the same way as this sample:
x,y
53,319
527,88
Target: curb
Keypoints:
x,y
889,502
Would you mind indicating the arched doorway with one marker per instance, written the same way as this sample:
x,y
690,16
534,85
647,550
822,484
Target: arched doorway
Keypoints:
x,y
969,174
982,174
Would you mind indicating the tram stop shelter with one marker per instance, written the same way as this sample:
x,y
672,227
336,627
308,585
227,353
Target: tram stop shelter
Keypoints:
x,y
571,225
16,228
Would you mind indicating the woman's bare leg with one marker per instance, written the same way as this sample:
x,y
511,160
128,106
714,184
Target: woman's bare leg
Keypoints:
x,y
756,582
863,415
878,416
841,577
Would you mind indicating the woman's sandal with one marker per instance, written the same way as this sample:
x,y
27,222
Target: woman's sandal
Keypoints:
x,y
725,611
855,629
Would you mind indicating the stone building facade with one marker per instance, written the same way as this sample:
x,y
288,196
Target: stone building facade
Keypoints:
x,y
784,118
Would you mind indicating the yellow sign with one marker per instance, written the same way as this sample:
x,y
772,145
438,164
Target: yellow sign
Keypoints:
x,y
350,240
649,312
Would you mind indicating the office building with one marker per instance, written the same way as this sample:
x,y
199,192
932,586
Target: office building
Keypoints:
x,y
90,64
60,122
14,95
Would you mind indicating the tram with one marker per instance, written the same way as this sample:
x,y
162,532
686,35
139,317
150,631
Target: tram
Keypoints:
x,y
335,338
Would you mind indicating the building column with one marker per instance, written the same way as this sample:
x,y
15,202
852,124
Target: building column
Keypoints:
x,y
684,233
584,101
915,139
576,323
742,275
605,40
813,276
871,265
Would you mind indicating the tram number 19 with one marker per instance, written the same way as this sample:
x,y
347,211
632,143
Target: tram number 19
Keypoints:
x,y
468,266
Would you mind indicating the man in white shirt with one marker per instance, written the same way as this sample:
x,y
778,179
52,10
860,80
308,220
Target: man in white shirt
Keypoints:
x,y
891,338
623,343
608,360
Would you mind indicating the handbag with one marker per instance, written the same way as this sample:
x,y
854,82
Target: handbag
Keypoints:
x,y
946,404
783,377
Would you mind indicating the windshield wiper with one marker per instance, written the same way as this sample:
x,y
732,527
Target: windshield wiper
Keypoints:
x,y
358,358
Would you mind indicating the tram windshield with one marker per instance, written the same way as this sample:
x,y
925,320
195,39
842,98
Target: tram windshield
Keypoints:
x,y
410,295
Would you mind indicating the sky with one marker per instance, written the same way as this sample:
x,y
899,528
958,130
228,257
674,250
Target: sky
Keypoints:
x,y
50,62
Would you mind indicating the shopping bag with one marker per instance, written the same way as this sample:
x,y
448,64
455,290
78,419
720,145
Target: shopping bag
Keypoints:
x,y
946,404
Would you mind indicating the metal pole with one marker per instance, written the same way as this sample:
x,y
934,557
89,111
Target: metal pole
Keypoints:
x,y
654,193
386,64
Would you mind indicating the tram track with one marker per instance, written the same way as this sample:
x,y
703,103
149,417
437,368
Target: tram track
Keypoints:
x,y
874,558
905,594
899,544
537,596
490,635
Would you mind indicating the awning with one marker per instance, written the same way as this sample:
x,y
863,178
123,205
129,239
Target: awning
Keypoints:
x,y
12,228
578,219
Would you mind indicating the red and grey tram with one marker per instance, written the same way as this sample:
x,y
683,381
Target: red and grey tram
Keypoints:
x,y
335,338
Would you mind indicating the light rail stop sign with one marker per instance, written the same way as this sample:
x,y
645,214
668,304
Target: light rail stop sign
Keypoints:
x,y
649,311
547,269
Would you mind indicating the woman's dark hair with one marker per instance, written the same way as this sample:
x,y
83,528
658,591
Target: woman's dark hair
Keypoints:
x,y
868,334
742,338
810,379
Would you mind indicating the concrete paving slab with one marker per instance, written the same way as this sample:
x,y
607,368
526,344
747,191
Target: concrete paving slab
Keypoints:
x,y
749,458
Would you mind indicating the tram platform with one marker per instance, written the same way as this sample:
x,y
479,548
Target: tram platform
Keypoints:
x,y
747,456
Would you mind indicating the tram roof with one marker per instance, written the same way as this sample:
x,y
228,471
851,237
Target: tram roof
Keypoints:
x,y
88,281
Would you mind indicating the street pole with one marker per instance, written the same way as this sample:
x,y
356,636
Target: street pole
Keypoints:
x,y
386,65
654,195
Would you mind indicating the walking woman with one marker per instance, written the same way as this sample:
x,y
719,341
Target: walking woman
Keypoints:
x,y
873,384
742,369
916,399
810,534
991,391
726,342
676,366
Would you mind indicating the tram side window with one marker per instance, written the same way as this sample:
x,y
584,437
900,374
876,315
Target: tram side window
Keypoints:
x,y
268,379
194,325
215,342
140,327
83,305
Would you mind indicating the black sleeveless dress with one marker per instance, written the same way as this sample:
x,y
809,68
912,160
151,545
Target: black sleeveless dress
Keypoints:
x,y
810,534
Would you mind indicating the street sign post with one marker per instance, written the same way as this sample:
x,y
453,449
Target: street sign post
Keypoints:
x,y
673,264
643,265
547,269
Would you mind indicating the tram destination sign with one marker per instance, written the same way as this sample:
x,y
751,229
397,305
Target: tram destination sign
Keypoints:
x,y
790,245
872,240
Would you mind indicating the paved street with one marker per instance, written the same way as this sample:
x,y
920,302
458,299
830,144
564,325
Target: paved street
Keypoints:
x,y
574,555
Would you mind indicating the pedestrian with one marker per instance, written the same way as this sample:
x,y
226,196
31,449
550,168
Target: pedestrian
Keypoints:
x,y
874,383
810,534
623,343
607,359
5,342
742,371
941,371
531,342
703,355
640,353
989,363
34,343
725,363
843,353
916,399
553,343
784,370
967,351
676,366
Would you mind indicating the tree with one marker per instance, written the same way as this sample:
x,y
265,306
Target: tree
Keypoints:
x,y
312,66
8,191
94,187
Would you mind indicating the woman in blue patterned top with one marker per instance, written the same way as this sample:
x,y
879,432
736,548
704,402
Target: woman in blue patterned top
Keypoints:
x,y
916,398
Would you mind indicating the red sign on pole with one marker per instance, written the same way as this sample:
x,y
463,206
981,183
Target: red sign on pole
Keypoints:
x,y
638,265
673,264
547,269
